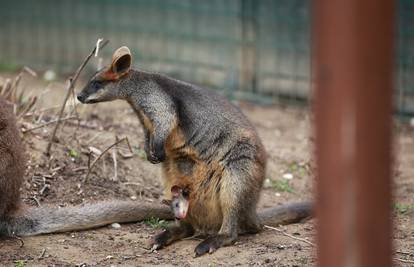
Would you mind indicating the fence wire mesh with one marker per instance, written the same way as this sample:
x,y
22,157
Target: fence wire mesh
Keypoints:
x,y
256,50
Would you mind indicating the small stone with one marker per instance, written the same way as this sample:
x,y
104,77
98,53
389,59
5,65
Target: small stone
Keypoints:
x,y
133,197
116,225
281,247
267,183
49,75
287,176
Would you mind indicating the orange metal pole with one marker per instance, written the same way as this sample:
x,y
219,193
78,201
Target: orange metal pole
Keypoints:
x,y
353,49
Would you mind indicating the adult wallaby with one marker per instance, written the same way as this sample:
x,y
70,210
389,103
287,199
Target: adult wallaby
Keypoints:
x,y
19,220
201,139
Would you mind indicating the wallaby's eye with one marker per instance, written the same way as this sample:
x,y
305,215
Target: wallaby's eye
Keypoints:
x,y
176,205
96,84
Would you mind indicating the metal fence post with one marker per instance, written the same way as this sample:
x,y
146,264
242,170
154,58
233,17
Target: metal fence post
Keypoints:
x,y
353,48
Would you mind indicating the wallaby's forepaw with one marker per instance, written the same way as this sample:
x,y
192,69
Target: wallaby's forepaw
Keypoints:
x,y
209,245
153,159
159,240
156,156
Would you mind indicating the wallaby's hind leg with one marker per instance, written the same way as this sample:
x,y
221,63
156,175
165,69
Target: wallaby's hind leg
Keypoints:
x,y
251,224
232,195
226,236
172,233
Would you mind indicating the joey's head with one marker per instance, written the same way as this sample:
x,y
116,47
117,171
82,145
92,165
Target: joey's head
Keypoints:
x,y
105,85
180,201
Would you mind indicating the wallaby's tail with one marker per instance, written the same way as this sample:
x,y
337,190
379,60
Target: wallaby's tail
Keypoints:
x,y
286,214
43,220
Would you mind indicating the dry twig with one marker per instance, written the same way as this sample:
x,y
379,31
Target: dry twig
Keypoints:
x,y
90,166
114,151
48,123
291,236
71,86
406,261
42,254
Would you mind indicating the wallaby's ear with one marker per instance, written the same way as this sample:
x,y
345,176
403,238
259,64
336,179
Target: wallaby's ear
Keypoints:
x,y
175,190
121,60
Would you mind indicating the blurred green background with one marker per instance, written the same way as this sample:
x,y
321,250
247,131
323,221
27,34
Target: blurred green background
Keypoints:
x,y
255,50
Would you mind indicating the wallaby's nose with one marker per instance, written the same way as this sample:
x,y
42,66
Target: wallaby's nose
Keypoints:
x,y
81,98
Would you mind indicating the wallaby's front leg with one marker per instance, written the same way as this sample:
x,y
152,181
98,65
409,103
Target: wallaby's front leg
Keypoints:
x,y
171,234
157,146
148,147
154,144
231,207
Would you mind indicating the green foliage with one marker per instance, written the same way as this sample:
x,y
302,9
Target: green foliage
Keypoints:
x,y
282,186
156,223
403,208
19,263
297,168
8,67
303,261
73,153
141,154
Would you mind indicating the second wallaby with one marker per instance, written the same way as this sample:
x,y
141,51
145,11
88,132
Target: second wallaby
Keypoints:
x,y
200,138
17,219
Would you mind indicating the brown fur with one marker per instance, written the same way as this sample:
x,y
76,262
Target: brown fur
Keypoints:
x,y
18,220
12,160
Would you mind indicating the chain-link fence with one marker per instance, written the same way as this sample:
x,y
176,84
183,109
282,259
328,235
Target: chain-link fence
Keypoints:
x,y
256,50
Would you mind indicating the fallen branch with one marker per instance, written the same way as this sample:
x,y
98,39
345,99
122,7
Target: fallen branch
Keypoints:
x,y
71,86
90,166
291,236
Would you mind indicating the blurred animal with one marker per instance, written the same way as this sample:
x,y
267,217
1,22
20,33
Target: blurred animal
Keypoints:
x,y
19,220
202,139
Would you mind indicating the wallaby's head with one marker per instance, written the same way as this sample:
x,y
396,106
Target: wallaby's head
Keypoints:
x,y
105,84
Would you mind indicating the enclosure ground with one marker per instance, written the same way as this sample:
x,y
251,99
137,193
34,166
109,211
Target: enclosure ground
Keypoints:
x,y
286,134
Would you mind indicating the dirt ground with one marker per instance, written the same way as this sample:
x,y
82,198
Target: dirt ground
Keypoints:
x,y
285,131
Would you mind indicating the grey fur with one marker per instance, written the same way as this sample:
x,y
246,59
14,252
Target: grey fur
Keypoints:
x,y
221,136
209,122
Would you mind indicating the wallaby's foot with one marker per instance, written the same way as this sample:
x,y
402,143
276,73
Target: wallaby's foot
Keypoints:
x,y
171,234
160,240
213,243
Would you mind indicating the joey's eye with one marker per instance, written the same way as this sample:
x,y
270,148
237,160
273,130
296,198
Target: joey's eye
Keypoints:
x,y
186,192
176,205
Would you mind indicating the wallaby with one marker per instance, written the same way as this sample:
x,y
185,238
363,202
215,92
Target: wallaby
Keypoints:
x,y
202,139
18,220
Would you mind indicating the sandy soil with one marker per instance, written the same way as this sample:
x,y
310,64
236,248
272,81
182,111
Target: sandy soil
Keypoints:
x,y
285,132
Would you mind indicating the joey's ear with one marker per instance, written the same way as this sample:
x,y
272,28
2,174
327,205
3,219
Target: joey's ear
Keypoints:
x,y
121,60
175,190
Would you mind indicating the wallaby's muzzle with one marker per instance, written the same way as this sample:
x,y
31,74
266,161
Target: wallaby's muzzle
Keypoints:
x,y
89,99
81,97
99,88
